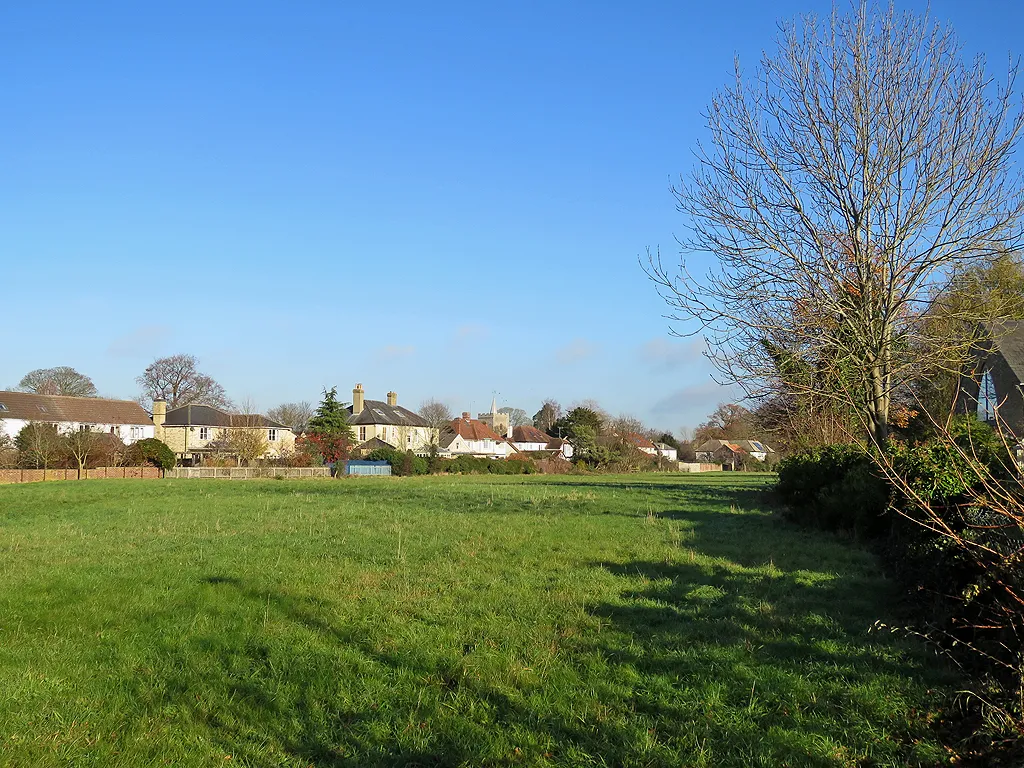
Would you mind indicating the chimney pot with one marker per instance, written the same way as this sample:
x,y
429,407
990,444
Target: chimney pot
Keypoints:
x,y
357,399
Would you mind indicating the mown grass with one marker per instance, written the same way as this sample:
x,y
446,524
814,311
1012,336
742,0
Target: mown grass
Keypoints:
x,y
653,621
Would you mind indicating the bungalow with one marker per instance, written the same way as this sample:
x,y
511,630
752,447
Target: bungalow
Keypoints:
x,y
389,422
733,453
471,437
195,431
125,419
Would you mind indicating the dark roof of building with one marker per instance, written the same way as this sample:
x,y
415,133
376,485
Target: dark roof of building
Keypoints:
x,y
80,410
378,412
208,416
1008,338
529,434
371,445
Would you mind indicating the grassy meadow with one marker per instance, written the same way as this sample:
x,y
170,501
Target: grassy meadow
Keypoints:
x,y
562,621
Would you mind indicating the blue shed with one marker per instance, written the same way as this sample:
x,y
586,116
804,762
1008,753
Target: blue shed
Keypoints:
x,y
367,468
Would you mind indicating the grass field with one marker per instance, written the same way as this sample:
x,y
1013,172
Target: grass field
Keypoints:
x,y
633,621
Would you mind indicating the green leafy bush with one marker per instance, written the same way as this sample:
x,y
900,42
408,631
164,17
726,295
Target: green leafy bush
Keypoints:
x,y
835,488
151,451
402,463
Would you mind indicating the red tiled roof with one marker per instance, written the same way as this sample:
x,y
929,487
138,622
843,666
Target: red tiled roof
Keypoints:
x,y
638,440
472,429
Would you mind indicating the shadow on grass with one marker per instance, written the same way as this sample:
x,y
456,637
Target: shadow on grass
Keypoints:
x,y
755,652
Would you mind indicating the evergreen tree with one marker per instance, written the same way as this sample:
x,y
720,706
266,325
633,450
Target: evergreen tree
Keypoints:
x,y
329,429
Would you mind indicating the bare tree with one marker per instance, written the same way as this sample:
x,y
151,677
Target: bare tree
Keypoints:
x,y
517,417
549,413
39,445
728,421
81,444
177,380
62,380
436,414
863,163
625,424
293,415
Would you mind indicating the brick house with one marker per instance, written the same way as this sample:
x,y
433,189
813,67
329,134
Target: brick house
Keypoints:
x,y
195,431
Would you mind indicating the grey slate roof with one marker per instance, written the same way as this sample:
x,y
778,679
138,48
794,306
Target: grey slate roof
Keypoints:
x,y
1008,338
378,412
208,416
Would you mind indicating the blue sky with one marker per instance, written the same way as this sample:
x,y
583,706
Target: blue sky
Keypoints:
x,y
448,201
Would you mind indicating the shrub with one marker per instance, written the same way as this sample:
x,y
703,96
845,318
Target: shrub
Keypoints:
x,y
402,462
151,451
835,488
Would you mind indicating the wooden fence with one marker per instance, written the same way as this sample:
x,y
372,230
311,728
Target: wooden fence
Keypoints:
x,y
688,466
97,473
245,473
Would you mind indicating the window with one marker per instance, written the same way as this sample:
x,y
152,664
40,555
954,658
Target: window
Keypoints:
x,y
987,398
3,407
136,433
272,435
204,433
362,434
408,439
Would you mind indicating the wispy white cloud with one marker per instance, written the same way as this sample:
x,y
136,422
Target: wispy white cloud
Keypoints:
x,y
664,355
471,332
575,351
142,342
699,398
394,352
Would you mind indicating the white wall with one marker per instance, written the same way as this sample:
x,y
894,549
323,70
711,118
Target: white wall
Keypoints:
x,y
128,433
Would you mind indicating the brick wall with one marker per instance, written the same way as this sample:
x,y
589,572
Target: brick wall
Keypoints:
x,y
97,473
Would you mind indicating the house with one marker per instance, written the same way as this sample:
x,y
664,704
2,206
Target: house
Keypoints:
x,y
472,437
195,431
389,422
666,451
529,439
125,419
732,452
639,441
995,379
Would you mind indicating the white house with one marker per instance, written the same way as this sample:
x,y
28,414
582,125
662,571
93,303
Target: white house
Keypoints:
x,y
471,437
666,451
530,439
123,418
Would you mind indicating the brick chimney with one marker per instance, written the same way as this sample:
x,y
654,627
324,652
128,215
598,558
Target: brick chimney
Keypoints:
x,y
357,399
159,417
392,399
465,415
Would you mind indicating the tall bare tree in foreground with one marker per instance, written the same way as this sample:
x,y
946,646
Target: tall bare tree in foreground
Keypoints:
x,y
845,181
177,380
62,380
